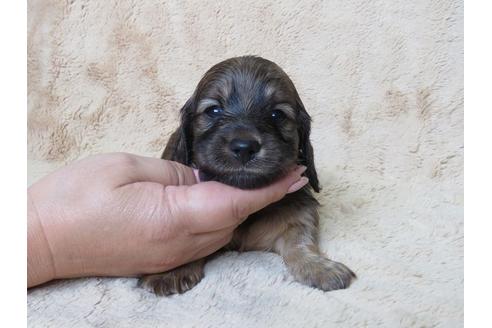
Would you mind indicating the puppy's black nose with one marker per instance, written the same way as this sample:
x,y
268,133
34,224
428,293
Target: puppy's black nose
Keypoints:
x,y
243,149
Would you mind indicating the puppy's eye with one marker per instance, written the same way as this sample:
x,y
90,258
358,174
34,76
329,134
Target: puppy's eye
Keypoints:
x,y
278,116
214,112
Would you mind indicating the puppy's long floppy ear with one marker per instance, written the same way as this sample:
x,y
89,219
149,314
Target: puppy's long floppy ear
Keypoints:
x,y
306,155
178,147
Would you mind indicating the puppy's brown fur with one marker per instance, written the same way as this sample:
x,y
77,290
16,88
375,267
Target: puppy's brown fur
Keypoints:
x,y
252,100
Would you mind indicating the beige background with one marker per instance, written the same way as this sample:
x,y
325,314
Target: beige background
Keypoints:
x,y
383,81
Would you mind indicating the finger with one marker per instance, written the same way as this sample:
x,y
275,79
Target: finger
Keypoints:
x,y
212,206
146,169
204,244
298,185
212,247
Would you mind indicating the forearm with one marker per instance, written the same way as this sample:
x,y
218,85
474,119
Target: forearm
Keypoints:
x,y
40,266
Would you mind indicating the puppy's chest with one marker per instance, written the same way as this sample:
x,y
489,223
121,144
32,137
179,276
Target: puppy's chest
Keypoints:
x,y
262,229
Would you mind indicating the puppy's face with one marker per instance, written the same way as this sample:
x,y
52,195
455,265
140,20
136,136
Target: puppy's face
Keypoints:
x,y
245,124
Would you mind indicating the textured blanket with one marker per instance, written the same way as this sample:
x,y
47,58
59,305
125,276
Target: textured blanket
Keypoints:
x,y
383,81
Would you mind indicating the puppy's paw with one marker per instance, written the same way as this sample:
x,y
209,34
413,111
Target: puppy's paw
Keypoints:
x,y
325,275
172,282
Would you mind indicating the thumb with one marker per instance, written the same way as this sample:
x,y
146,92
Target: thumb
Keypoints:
x,y
146,169
211,206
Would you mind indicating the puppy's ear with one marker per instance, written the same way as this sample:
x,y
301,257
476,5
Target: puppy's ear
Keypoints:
x,y
178,147
306,155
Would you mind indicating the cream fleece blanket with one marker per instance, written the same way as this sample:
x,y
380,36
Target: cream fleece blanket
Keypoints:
x,y
383,81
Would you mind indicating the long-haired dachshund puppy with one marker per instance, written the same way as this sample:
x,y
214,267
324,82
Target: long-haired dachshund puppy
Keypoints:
x,y
244,126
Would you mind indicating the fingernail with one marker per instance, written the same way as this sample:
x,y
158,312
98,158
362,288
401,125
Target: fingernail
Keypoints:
x,y
301,169
298,185
197,175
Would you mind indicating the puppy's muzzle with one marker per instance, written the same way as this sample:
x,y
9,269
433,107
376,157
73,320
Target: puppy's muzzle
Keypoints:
x,y
244,149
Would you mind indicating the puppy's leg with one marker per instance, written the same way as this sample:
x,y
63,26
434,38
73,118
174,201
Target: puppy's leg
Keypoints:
x,y
176,281
298,247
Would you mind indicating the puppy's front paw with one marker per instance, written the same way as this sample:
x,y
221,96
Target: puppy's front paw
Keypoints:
x,y
325,274
172,282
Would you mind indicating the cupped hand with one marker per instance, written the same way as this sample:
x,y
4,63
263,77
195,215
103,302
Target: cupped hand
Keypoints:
x,y
124,215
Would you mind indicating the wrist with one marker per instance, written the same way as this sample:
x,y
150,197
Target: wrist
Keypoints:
x,y
40,263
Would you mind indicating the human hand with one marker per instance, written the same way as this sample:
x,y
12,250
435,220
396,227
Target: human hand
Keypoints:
x,y
124,215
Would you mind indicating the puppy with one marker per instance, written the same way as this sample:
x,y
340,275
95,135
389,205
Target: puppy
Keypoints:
x,y
244,126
